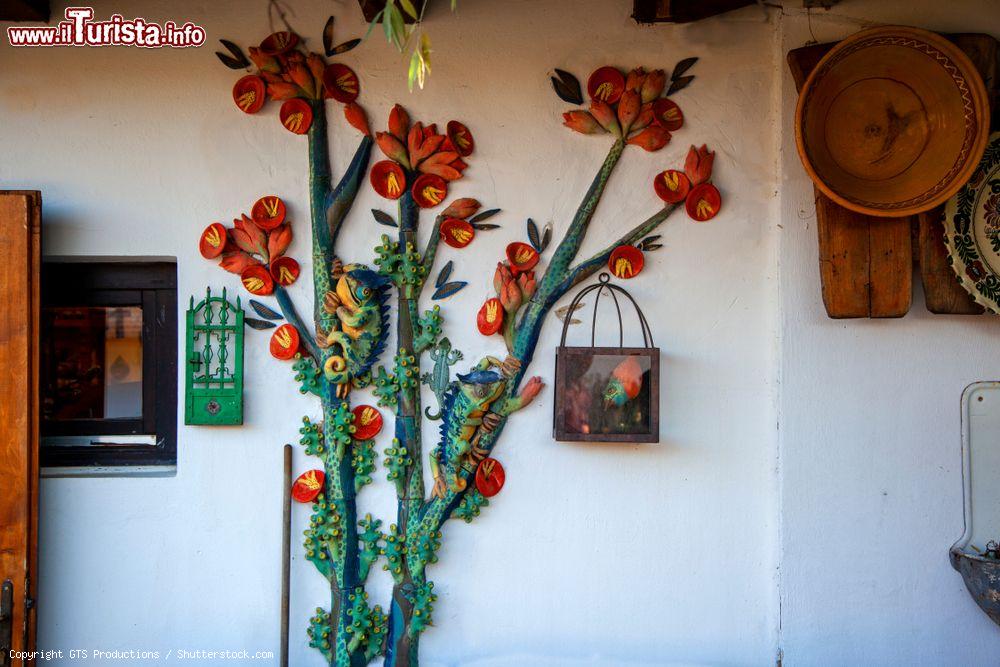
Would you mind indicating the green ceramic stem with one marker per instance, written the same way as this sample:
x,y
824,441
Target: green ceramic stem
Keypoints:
x,y
401,649
329,207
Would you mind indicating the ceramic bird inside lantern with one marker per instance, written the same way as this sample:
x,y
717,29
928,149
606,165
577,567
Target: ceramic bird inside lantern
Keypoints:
x,y
607,394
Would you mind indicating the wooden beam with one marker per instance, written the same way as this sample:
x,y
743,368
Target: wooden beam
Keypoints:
x,y
682,11
25,10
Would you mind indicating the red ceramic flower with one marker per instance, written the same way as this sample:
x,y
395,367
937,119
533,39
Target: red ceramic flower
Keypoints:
x,y
436,158
248,93
490,317
388,179
257,280
296,115
606,84
268,212
284,271
285,342
522,257
399,123
457,232
341,83
698,165
367,422
490,477
626,261
652,138
279,43
429,190
667,114
308,486
672,186
461,208
628,107
461,138
703,202
213,241
356,116
582,121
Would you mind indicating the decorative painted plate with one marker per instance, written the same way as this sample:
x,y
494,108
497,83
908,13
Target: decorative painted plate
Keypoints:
x,y
972,230
892,121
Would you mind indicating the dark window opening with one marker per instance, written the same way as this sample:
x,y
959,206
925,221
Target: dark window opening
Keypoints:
x,y
108,364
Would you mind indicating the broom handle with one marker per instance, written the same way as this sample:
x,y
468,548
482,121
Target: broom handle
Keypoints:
x,y
286,533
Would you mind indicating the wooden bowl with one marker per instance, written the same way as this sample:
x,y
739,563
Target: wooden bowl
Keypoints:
x,y
892,121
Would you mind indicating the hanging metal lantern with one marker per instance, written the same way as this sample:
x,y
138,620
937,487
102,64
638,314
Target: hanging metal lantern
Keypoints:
x,y
607,394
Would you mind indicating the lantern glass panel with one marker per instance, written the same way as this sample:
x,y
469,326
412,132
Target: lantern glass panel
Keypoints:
x,y
607,394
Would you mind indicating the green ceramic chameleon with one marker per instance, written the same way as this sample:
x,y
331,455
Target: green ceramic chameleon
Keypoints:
x,y
439,380
359,301
473,406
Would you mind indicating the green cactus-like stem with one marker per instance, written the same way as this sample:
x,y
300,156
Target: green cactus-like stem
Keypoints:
x,y
329,206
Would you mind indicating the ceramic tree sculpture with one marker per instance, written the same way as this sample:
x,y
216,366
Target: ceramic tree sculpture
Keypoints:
x,y
354,305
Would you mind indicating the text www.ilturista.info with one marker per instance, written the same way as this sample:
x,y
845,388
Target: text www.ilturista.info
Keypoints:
x,y
79,29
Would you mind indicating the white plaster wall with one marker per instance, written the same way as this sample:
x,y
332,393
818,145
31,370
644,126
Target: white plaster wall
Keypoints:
x,y
869,420
599,554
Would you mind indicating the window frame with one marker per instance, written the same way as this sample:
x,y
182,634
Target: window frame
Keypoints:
x,y
153,287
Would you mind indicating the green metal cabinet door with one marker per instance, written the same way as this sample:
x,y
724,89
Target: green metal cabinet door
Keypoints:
x,y
214,362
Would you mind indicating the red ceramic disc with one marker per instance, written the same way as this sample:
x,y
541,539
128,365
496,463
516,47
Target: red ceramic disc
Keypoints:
x,y
461,138
429,190
278,43
308,485
490,317
672,186
522,257
388,179
489,477
457,232
703,202
667,114
367,422
284,271
296,115
268,212
626,261
257,280
606,84
285,342
248,93
341,83
212,241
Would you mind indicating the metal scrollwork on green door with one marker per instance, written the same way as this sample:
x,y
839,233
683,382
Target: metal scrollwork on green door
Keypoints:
x,y
214,362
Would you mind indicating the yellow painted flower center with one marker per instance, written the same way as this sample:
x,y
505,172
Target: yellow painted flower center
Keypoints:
x,y
604,91
213,237
491,311
433,195
347,83
462,235
285,276
704,208
671,180
284,338
247,99
271,204
253,284
294,121
623,268
392,184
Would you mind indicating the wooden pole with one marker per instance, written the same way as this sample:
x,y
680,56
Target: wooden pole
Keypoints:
x,y
286,534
